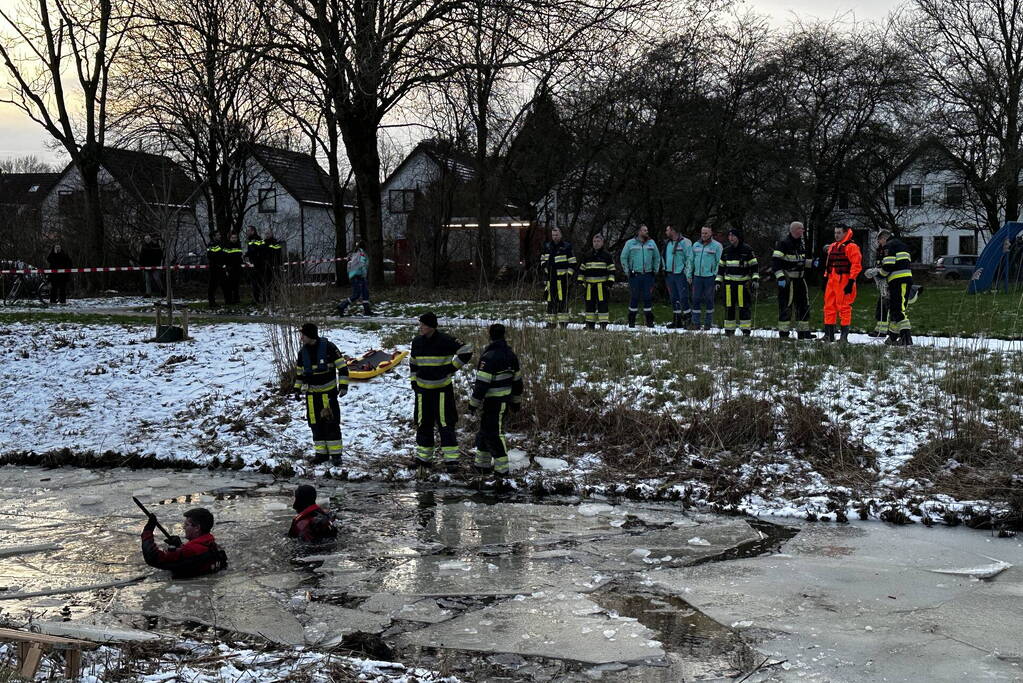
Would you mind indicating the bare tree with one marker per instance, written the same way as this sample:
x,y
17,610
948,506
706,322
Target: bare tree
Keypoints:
x,y
368,56
46,40
970,55
25,164
191,84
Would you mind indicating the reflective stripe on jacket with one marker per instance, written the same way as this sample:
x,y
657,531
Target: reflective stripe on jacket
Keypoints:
x,y
498,375
435,359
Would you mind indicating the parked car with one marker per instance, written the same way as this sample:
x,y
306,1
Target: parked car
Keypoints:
x,y
955,267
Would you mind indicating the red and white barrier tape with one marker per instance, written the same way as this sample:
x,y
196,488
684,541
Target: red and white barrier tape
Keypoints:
x,y
122,269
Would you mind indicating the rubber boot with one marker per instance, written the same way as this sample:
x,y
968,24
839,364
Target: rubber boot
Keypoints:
x,y
632,318
892,339
590,325
729,333
747,333
366,310
905,338
603,326
563,325
342,308
676,321
845,335
687,321
550,325
804,334
335,460
829,334
649,315
784,334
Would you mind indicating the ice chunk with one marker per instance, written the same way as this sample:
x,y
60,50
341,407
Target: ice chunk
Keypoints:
x,y
696,540
158,482
552,464
987,571
90,500
275,506
639,554
454,566
594,509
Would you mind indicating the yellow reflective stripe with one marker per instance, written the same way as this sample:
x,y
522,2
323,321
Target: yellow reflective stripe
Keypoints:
x,y
310,409
432,361
433,384
318,388
498,392
484,376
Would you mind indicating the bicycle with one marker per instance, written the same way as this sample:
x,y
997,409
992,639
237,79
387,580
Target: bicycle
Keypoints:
x,y
24,286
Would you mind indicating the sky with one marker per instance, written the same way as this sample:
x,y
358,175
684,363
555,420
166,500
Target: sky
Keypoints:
x,y
19,136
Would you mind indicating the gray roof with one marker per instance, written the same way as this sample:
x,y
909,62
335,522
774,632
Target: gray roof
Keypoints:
x,y
26,189
153,178
298,173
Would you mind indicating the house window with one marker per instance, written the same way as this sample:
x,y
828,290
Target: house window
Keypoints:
x,y
916,247
401,201
267,200
967,245
954,195
940,247
908,195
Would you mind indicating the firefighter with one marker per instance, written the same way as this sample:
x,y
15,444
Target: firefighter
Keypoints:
x,y
738,273
321,377
790,262
678,273
311,524
597,274
641,260
198,557
842,264
497,389
557,263
215,268
901,292
881,306
434,360
232,258
255,254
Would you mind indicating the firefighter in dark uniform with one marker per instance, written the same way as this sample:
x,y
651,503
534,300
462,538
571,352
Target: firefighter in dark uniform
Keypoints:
x,y
896,272
232,256
311,524
557,263
198,557
597,274
255,254
434,360
881,316
738,273
215,268
321,376
497,389
273,263
789,263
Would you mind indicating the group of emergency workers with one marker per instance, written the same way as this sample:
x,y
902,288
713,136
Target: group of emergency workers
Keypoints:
x,y
225,260
696,271
321,379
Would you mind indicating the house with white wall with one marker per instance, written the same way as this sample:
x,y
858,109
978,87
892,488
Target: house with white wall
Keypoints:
x,y
931,203
289,196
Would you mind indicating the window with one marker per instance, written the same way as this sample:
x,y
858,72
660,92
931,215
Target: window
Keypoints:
x,y
954,195
34,188
267,200
967,245
401,201
908,195
916,246
940,247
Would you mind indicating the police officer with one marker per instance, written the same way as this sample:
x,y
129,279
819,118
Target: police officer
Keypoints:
x,y
232,257
434,360
321,377
789,263
557,263
597,274
497,389
215,267
255,254
738,273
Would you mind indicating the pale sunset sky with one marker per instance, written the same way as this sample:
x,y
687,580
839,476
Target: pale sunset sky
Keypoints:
x,y
19,136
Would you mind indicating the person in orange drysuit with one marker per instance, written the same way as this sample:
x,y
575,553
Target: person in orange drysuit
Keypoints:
x,y
842,263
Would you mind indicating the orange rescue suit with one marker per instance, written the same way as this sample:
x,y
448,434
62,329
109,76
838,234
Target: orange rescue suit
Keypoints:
x,y
842,263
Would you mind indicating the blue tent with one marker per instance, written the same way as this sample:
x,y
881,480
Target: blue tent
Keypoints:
x,y
994,254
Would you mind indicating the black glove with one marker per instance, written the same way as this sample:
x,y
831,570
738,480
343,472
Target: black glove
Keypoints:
x,y
515,407
173,541
849,286
150,523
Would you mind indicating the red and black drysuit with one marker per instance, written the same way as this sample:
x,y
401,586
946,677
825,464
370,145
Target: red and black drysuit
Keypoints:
x,y
313,525
198,557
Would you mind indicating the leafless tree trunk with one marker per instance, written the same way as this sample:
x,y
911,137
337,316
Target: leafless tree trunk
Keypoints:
x,y
48,40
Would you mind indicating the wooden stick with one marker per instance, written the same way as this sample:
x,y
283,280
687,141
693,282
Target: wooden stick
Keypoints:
x,y
73,589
